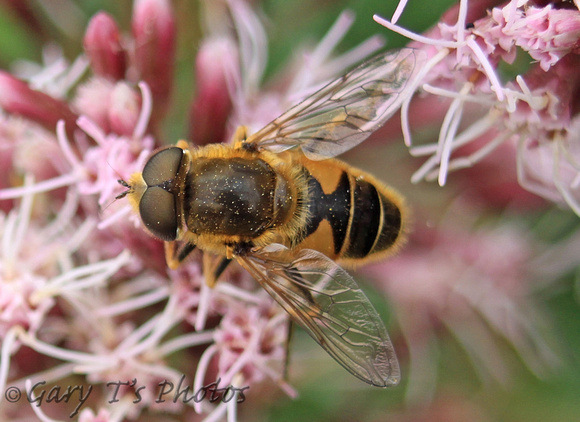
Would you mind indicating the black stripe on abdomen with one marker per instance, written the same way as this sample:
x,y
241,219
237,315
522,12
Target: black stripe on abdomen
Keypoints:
x,y
365,225
333,207
391,227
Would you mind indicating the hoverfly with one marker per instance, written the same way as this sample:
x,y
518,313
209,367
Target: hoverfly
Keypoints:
x,y
277,203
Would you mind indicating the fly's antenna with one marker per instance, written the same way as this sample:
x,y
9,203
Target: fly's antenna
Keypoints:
x,y
125,192
122,183
119,196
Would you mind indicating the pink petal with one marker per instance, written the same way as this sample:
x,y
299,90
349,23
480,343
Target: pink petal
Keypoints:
x,y
19,99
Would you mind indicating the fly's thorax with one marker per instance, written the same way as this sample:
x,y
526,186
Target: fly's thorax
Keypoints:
x,y
229,196
237,195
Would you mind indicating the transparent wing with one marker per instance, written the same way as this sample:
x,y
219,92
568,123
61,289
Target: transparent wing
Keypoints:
x,y
346,111
325,300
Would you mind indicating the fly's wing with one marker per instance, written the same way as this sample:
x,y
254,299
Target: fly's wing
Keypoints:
x,y
346,111
325,300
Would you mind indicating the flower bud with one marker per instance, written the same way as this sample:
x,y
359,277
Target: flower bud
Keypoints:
x,y
102,45
153,27
212,103
19,99
125,106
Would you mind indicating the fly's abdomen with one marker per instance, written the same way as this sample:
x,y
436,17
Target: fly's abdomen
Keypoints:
x,y
352,216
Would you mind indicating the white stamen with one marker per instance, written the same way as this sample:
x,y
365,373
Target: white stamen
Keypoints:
x,y
186,341
203,307
232,407
398,11
422,150
424,69
139,334
75,73
488,68
59,353
472,159
238,294
527,183
477,129
564,191
16,232
405,125
202,367
217,414
253,45
82,277
442,92
44,186
352,57
414,36
146,110
536,102
113,218
134,303
332,38
92,129
36,409
164,322
460,25
245,356
80,235
425,168
65,145
55,373
455,112
63,217
8,343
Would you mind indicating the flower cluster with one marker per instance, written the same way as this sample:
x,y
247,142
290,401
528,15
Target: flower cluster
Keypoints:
x,y
81,284
86,297
533,117
462,273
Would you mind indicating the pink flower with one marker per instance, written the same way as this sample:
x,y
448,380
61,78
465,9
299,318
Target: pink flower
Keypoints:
x,y
114,107
89,289
87,293
148,57
251,342
548,34
532,111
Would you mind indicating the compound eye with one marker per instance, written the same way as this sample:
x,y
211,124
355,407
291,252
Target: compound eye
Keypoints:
x,y
157,209
162,166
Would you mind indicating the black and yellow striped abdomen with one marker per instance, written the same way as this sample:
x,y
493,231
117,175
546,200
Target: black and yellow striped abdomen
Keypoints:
x,y
352,217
